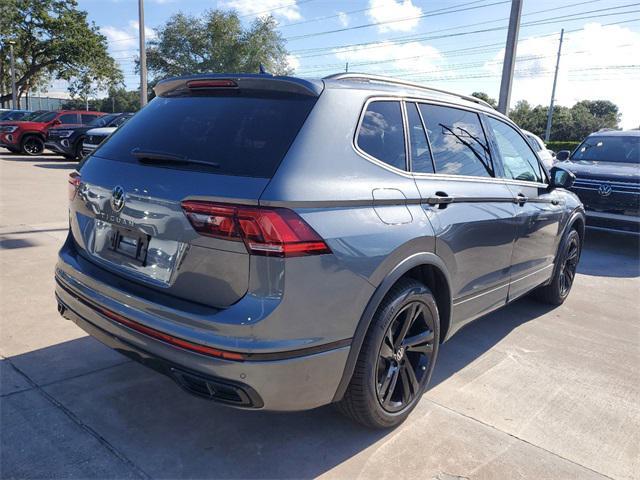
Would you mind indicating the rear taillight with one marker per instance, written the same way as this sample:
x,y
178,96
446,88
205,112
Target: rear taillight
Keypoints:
x,y
275,232
74,183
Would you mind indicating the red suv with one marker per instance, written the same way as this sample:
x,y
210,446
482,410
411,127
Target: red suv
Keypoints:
x,y
28,136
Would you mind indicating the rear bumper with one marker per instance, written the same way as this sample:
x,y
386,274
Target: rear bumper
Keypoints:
x,y
284,384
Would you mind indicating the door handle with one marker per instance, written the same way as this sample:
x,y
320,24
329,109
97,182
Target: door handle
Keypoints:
x,y
521,199
441,199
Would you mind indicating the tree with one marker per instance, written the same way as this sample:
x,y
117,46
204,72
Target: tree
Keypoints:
x,y
118,100
575,123
215,42
53,39
486,98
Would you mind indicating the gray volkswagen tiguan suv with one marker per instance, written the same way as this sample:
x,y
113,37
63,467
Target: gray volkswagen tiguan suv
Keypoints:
x,y
280,243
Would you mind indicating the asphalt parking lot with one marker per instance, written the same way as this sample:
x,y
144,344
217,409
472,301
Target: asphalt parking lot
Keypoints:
x,y
526,392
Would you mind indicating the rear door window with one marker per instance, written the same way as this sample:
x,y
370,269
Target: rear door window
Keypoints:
x,y
381,133
458,143
68,118
420,152
238,135
88,118
518,160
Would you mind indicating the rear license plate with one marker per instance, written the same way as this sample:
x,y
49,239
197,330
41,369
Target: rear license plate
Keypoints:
x,y
133,245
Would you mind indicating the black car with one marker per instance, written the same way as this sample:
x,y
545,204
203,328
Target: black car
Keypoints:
x,y
607,169
68,140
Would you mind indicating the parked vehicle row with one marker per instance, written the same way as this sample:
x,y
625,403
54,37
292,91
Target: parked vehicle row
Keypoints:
x,y
281,243
69,141
29,134
62,131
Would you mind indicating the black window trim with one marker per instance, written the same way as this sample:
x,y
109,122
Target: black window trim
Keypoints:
x,y
418,175
424,129
494,147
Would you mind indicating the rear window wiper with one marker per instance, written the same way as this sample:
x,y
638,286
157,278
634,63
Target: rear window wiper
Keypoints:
x,y
151,156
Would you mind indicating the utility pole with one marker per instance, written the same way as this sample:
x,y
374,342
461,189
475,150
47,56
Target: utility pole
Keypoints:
x,y
547,132
346,67
14,95
143,56
509,56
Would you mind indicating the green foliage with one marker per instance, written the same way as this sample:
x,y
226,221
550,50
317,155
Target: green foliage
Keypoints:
x,y
569,124
118,100
53,39
557,146
215,42
486,98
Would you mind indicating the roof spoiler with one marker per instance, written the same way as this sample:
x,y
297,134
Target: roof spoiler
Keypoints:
x,y
239,81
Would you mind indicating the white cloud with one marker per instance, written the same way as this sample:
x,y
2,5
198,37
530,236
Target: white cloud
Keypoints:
x,y
596,48
409,58
149,32
343,18
391,10
119,38
293,61
278,8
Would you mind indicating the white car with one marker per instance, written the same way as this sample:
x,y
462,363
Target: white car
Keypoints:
x,y
546,155
95,137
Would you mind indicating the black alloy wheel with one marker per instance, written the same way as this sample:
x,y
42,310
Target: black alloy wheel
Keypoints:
x,y
556,291
32,145
405,356
397,357
569,265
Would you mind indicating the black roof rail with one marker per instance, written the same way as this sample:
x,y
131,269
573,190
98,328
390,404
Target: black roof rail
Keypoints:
x,y
393,81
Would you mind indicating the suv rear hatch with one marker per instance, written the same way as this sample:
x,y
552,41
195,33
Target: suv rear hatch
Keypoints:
x,y
138,201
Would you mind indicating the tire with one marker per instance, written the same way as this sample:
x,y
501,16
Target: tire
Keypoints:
x,y
388,381
78,150
32,145
557,291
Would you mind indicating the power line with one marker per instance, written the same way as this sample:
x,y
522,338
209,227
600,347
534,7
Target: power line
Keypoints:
x,y
415,35
380,44
294,4
361,10
432,13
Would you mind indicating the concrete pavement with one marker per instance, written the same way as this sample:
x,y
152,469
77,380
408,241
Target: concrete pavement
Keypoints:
x,y
527,392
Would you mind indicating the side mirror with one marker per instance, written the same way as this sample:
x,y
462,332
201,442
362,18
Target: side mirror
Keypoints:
x,y
563,155
56,122
561,178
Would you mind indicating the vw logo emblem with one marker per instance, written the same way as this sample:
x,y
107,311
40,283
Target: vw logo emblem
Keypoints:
x,y
117,198
604,190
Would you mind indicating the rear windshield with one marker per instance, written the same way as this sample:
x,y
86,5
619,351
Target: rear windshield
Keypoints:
x,y
241,135
609,149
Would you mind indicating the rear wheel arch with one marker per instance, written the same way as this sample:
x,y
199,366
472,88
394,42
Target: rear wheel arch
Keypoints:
x,y
425,267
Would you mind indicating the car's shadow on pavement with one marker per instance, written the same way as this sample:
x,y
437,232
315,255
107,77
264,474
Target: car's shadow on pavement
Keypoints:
x,y
608,254
168,433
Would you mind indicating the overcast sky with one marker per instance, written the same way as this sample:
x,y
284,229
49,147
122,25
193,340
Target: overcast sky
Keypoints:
x,y
454,44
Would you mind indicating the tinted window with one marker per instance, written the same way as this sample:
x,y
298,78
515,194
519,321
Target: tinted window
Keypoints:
x,y
381,134
533,142
68,118
102,121
44,117
458,143
518,160
246,135
420,152
119,120
609,149
88,118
